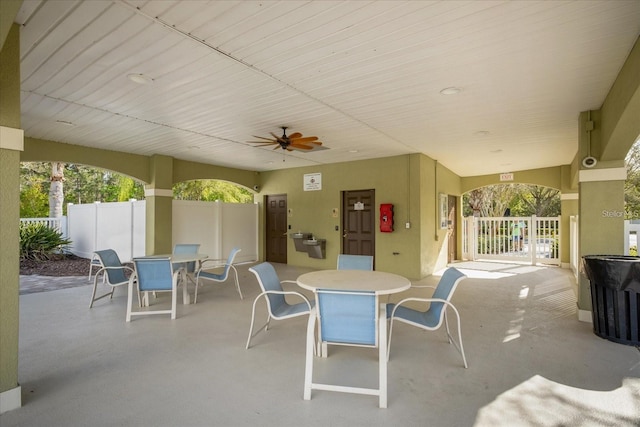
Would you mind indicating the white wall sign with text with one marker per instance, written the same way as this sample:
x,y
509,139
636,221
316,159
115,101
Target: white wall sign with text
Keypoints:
x,y
312,181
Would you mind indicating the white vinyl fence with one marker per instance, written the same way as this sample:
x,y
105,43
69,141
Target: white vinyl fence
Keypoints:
x,y
218,227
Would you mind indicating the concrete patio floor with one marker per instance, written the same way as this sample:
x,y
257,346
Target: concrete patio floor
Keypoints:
x,y
531,362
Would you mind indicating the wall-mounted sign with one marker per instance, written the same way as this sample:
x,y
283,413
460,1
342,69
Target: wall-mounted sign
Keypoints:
x,y
312,181
506,176
358,206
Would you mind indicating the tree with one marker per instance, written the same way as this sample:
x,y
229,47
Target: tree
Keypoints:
x,y
520,199
632,184
56,190
86,184
211,190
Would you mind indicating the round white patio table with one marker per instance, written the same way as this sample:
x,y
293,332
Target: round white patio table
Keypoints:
x,y
380,282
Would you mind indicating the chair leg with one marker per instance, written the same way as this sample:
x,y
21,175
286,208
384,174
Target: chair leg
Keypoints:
x,y
382,357
389,339
93,294
174,300
311,350
253,316
237,282
129,300
461,349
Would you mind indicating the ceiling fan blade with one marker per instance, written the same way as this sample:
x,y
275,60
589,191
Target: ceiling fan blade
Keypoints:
x,y
279,138
268,144
306,139
267,139
300,146
295,135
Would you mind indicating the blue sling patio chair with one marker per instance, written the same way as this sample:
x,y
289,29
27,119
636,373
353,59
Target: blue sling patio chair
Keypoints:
x,y
355,262
209,264
113,272
188,268
277,306
347,318
153,274
433,318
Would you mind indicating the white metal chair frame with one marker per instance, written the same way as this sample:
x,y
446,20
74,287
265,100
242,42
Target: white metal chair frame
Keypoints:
x,y
94,263
443,316
379,341
105,270
217,263
135,279
287,314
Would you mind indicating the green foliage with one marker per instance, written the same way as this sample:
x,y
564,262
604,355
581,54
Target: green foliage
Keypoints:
x,y
211,190
39,242
34,202
632,183
521,199
84,184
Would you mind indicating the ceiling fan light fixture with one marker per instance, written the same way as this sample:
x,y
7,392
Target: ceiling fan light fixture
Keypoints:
x,y
141,79
450,90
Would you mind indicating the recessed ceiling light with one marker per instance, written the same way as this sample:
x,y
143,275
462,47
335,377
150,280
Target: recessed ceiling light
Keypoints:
x,y
450,91
140,79
482,133
64,122
193,147
353,151
499,150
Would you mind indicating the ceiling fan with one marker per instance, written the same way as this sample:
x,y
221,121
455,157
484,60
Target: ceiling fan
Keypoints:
x,y
295,141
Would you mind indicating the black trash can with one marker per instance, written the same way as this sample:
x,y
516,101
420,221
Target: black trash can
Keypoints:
x,y
615,296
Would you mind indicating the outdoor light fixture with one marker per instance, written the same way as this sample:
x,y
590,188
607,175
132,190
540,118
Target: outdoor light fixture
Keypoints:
x,y
140,79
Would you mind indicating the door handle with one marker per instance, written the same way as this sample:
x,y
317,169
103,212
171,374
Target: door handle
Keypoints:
x,y
345,234
284,234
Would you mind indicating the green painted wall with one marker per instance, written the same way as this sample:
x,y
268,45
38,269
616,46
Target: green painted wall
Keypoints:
x,y
405,181
133,165
547,177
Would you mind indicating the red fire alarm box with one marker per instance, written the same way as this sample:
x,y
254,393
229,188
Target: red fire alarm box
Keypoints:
x,y
386,217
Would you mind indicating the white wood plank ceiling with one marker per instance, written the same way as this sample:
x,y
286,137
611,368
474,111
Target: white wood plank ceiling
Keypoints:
x,y
363,76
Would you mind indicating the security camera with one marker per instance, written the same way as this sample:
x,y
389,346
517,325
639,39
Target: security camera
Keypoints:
x,y
589,162
256,188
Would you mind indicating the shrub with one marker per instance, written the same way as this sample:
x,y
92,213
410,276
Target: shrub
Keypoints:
x,y
39,242
633,250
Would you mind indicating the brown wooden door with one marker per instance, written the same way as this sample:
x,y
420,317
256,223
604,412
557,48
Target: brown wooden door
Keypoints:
x,y
358,225
276,228
452,212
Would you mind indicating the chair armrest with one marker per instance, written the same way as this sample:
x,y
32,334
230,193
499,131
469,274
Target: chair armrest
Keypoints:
x,y
306,300
422,286
217,263
116,268
429,300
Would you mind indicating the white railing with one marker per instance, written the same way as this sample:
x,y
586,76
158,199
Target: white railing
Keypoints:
x,y
59,224
574,251
631,233
496,238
